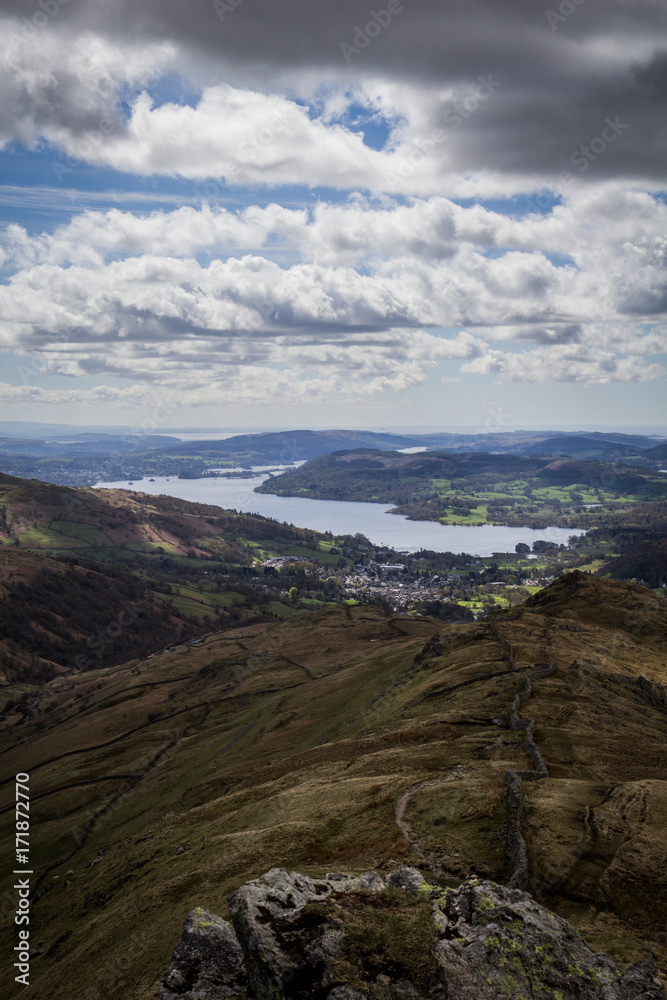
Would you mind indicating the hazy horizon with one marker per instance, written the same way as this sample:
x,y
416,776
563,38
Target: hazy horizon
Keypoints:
x,y
407,429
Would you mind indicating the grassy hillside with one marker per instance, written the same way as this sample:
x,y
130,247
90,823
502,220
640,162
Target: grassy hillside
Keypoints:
x,y
128,527
109,525
343,740
646,561
90,578
56,615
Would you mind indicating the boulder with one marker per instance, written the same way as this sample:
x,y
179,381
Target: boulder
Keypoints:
x,y
290,940
207,964
392,937
498,942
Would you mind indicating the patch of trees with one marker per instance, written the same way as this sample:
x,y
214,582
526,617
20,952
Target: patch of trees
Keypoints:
x,y
85,618
446,611
645,562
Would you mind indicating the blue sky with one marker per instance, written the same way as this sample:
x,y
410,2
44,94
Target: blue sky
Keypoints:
x,y
230,223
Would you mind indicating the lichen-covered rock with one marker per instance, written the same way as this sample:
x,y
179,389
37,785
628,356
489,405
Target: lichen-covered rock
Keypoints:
x,y
498,942
207,964
392,937
289,944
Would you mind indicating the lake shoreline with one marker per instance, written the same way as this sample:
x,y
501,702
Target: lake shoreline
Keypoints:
x,y
348,517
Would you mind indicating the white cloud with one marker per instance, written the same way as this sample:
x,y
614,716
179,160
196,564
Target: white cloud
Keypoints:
x,y
248,137
241,135
119,293
339,300
563,363
248,385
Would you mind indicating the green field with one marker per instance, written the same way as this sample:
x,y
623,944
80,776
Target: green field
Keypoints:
x,y
476,488
271,549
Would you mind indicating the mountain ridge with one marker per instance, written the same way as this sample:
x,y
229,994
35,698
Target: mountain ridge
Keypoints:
x,y
168,781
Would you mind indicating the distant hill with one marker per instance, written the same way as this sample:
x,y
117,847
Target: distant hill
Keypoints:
x,y
92,445
387,476
573,445
598,443
85,457
572,471
658,453
303,445
34,429
496,442
593,447
632,440
390,477
292,446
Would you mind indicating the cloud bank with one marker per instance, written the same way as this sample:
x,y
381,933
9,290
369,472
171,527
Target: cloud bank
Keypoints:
x,y
420,115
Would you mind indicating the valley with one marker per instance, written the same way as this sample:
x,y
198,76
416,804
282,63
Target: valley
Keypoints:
x,y
622,508
198,695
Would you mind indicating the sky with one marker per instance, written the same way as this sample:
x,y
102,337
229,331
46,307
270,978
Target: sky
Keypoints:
x,y
250,213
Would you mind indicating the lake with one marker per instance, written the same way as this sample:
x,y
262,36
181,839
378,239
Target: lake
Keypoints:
x,y
347,518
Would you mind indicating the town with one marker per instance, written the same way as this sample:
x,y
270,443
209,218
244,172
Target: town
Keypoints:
x,y
443,585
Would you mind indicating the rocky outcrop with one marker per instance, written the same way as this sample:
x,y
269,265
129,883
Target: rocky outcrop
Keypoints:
x,y
391,937
498,942
289,939
207,963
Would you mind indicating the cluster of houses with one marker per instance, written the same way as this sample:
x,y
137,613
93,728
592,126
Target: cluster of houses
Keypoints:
x,y
390,581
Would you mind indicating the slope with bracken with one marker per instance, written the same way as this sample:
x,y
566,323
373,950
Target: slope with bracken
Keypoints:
x,y
92,578
58,614
109,524
345,740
